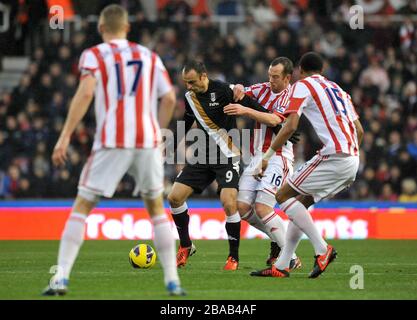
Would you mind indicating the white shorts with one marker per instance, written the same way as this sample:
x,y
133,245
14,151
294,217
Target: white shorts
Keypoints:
x,y
252,190
106,167
324,176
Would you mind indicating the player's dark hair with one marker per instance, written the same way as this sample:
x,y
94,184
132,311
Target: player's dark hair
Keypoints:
x,y
286,63
198,66
311,62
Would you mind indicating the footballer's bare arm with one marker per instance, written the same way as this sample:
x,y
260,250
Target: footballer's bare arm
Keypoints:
x,y
270,119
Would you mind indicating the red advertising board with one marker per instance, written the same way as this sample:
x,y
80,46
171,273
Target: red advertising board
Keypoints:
x,y
37,223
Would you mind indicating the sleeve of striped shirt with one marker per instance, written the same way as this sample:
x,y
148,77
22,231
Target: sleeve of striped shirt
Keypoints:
x,y
351,108
280,110
88,63
253,90
299,96
163,81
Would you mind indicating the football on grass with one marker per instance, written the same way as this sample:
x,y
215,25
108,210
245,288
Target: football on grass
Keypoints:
x,y
142,256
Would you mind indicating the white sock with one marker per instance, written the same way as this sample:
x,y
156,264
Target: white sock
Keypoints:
x,y
275,225
71,240
165,246
180,209
292,238
233,218
298,214
252,218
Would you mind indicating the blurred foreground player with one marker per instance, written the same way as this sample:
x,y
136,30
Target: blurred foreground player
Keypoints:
x,y
126,80
333,117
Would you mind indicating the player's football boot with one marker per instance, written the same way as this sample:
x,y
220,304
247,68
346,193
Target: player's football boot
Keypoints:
x,y
183,254
174,289
231,264
272,271
322,261
273,254
295,264
56,287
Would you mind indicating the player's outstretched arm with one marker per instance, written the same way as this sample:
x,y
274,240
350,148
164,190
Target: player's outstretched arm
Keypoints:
x,y
270,119
78,107
166,108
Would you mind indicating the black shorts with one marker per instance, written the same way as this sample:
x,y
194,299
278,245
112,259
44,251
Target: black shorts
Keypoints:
x,y
200,176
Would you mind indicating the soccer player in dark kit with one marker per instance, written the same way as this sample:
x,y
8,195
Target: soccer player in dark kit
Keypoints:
x,y
204,101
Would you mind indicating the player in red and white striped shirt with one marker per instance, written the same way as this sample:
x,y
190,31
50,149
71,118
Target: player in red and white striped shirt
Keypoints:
x,y
332,115
130,79
126,80
256,198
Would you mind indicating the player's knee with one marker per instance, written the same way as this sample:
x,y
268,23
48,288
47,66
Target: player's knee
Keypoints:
x,y
175,200
85,202
262,210
155,205
281,197
229,206
243,208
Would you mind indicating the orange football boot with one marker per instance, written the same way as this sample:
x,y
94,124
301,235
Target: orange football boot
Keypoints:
x,y
183,254
231,264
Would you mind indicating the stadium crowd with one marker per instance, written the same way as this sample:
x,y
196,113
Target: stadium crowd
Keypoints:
x,y
377,65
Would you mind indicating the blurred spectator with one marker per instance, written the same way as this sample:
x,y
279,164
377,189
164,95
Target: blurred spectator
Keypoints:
x,y
408,191
262,14
407,34
24,189
412,146
311,28
229,8
375,75
246,32
409,98
177,10
330,44
387,194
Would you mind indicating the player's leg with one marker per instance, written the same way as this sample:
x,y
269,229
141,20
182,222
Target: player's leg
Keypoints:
x,y
275,175
228,198
296,211
164,241
227,177
73,235
150,182
292,239
179,210
193,178
246,199
298,214
100,177
72,239
321,177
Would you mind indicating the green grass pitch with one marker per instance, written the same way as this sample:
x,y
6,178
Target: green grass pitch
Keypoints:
x,y
102,271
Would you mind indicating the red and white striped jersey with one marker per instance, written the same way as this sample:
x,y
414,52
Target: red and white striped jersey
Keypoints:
x,y
130,79
277,103
330,111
